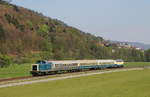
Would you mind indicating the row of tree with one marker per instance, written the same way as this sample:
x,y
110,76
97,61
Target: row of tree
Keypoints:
x,y
129,55
147,55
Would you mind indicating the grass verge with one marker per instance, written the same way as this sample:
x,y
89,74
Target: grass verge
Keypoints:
x,y
15,70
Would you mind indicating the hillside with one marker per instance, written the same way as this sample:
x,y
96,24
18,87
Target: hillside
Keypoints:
x,y
26,32
27,36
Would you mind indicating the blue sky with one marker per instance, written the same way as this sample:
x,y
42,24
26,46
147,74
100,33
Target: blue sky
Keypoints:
x,y
123,20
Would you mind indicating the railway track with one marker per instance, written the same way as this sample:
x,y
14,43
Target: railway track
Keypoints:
x,y
15,78
30,77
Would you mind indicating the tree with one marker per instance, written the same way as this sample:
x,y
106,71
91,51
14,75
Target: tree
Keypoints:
x,y
147,55
6,0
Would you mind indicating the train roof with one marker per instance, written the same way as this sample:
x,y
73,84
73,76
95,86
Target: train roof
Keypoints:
x,y
79,61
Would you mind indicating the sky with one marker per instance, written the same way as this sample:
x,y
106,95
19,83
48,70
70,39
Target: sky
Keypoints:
x,y
122,20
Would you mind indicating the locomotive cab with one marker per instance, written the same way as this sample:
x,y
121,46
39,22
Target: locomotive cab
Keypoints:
x,y
35,67
119,62
41,68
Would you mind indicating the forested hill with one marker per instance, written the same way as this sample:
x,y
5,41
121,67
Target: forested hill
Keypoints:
x,y
27,36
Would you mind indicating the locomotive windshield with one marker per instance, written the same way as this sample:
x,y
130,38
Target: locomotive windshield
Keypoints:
x,y
34,67
43,62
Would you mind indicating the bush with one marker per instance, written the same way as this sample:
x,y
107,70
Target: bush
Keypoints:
x,y
5,60
30,24
43,30
11,19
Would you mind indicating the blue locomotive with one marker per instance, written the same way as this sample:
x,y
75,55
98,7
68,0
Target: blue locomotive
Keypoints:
x,y
52,67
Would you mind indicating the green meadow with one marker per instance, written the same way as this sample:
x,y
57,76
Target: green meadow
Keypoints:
x,y
15,70
118,84
136,64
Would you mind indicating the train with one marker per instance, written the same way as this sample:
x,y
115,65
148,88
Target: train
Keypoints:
x,y
44,67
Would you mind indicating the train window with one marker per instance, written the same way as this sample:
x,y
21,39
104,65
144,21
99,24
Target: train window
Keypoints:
x,y
34,67
75,64
89,63
43,62
72,64
56,65
119,60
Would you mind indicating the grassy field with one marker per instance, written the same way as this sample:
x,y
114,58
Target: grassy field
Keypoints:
x,y
122,84
135,64
15,71
23,69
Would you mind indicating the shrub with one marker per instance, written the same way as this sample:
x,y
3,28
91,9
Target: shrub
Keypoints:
x,y
30,24
11,19
43,30
5,60
21,27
